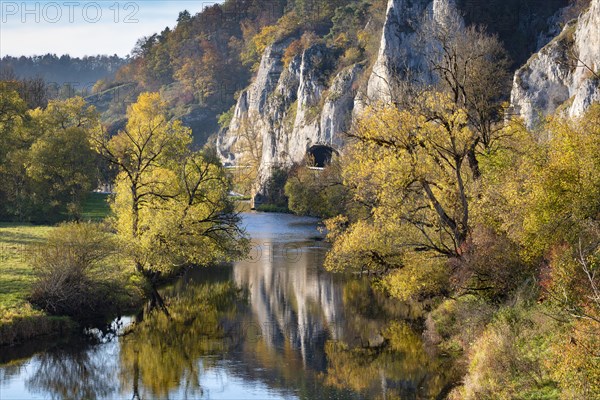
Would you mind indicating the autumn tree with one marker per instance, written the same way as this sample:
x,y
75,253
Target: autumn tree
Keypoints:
x,y
139,151
410,173
171,206
473,68
542,192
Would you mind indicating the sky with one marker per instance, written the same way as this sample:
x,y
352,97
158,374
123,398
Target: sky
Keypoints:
x,y
80,28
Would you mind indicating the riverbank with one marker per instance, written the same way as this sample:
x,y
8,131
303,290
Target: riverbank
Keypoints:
x,y
297,331
19,320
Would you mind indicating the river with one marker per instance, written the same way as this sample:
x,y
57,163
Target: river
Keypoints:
x,y
274,326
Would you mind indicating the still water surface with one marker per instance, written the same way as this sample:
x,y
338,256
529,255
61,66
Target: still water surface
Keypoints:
x,y
293,331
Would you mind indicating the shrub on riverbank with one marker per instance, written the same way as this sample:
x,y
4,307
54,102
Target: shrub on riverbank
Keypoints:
x,y
512,357
78,274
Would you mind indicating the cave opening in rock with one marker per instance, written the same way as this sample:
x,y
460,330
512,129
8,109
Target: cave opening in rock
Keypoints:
x,y
320,155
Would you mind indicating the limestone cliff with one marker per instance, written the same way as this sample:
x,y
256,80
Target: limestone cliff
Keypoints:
x,y
399,53
292,108
564,72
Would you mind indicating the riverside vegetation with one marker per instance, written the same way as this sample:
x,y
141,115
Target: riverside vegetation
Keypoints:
x,y
440,196
91,271
445,200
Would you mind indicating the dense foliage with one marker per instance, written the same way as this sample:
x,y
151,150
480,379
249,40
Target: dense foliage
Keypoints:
x,y
441,198
495,229
47,167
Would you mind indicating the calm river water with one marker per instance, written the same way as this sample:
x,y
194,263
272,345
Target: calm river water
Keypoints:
x,y
294,331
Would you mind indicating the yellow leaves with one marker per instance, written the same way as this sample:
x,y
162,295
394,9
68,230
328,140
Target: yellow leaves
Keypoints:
x,y
264,38
365,246
149,110
566,192
421,275
258,44
409,170
171,206
387,127
72,112
543,192
149,137
575,364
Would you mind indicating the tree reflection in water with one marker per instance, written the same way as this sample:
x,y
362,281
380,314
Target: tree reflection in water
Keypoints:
x,y
302,333
382,358
75,374
397,368
159,356
164,354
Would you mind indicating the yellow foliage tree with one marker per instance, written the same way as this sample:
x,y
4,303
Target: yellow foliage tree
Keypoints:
x,y
408,167
171,207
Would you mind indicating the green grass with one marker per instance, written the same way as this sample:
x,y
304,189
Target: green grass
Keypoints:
x,y
96,207
17,241
19,321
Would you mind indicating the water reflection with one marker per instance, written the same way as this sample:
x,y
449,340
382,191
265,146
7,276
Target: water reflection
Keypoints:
x,y
292,331
71,373
164,354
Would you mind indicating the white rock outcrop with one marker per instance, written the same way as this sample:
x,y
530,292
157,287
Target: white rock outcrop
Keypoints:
x,y
292,108
566,69
299,105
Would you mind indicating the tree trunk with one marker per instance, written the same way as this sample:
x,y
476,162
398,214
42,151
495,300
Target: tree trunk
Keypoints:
x,y
473,162
157,301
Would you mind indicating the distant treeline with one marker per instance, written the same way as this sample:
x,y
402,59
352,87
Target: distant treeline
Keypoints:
x,y
59,70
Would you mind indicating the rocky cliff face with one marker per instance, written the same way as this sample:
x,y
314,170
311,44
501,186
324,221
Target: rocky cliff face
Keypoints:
x,y
399,52
297,106
293,107
564,72
396,52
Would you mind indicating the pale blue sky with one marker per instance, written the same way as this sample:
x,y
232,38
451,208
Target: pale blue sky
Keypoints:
x,y
81,27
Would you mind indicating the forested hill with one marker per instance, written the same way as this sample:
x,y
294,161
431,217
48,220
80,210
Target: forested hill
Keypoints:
x,y
59,70
203,63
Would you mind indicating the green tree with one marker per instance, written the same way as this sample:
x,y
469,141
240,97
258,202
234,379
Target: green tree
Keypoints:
x,y
61,163
318,193
46,164
13,139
